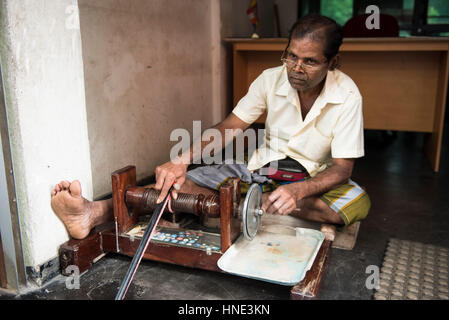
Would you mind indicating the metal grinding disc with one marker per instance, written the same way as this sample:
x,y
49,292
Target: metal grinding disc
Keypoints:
x,y
252,211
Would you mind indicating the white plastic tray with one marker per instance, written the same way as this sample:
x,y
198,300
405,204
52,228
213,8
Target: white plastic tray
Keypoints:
x,y
273,257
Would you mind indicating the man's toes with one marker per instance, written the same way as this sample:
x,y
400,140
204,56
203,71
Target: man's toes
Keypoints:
x,y
56,189
65,184
75,188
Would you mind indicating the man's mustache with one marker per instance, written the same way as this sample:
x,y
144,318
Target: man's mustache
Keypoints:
x,y
298,76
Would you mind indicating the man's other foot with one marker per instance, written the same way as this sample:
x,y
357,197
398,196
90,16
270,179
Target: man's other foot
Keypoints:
x,y
74,211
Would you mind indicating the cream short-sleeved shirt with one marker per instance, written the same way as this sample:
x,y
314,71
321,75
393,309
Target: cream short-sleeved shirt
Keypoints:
x,y
333,128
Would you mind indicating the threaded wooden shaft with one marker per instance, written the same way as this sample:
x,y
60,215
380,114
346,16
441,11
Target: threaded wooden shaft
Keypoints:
x,y
145,198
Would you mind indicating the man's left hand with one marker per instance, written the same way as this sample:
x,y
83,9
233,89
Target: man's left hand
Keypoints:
x,y
282,200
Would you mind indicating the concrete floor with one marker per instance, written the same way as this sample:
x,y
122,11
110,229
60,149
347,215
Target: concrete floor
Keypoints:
x,y
408,202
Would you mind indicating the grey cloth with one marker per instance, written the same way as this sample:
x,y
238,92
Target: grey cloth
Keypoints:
x,y
213,176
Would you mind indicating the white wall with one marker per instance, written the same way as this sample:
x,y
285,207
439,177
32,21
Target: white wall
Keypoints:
x,y
42,64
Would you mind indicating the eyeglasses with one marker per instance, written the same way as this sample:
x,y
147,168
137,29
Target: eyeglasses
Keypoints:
x,y
306,64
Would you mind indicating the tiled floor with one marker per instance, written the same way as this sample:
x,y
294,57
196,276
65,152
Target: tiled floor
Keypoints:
x,y
409,201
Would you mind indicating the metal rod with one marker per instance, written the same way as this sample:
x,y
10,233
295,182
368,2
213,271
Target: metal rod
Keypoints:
x,y
116,236
142,247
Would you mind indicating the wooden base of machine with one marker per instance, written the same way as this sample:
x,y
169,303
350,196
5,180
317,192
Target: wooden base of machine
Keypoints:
x,y
131,201
308,288
79,253
163,252
83,253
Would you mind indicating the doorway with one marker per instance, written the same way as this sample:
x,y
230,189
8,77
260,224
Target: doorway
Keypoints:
x,y
12,266
3,281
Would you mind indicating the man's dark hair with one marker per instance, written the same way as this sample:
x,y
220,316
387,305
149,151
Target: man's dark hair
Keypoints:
x,y
319,28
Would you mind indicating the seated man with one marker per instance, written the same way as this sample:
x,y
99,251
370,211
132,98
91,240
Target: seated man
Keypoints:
x,y
314,116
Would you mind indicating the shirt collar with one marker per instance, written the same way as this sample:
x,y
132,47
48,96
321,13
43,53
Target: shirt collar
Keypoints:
x,y
332,92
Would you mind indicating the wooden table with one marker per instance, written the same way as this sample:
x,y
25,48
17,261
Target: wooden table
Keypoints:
x,y
403,81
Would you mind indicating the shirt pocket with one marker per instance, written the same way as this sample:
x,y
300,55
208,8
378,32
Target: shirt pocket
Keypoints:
x,y
317,146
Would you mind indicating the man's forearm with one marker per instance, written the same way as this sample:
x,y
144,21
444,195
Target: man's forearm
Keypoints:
x,y
323,181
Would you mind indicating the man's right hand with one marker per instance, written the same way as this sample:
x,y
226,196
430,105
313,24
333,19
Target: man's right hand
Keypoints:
x,y
167,174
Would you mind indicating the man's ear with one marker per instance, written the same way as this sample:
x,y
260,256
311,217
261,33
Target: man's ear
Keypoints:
x,y
334,63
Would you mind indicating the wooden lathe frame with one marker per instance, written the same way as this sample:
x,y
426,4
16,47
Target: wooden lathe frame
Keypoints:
x,y
103,239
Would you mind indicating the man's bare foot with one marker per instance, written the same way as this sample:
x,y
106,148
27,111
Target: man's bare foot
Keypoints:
x,y
74,211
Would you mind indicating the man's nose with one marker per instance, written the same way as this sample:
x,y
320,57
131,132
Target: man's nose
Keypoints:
x,y
298,67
